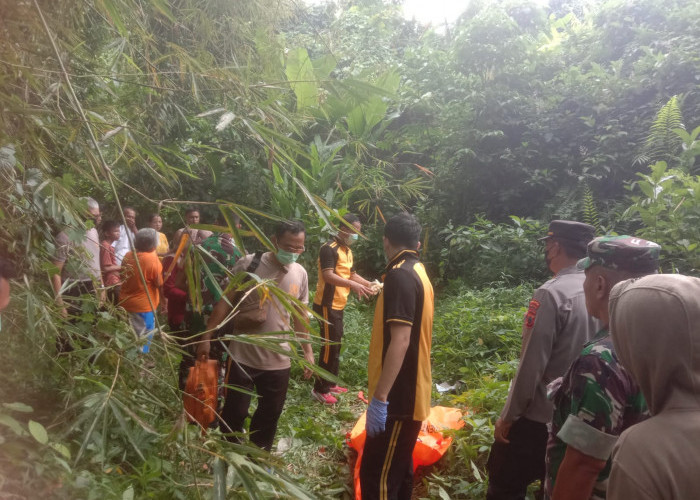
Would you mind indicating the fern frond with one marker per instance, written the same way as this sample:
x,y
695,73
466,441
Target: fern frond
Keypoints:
x,y
564,203
663,143
590,212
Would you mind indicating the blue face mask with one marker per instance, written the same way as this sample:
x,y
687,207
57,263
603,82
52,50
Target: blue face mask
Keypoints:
x,y
353,237
285,257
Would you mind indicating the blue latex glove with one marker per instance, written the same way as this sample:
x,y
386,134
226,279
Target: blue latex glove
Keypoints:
x,y
376,417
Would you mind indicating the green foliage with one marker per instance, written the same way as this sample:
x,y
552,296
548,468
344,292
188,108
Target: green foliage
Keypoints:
x,y
669,209
590,212
104,419
487,252
691,149
269,109
664,142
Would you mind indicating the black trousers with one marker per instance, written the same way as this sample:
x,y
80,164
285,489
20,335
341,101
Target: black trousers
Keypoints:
x,y
329,355
386,472
113,294
72,296
73,302
271,387
512,467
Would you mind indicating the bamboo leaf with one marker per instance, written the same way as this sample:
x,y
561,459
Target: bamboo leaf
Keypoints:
x,y
257,232
125,429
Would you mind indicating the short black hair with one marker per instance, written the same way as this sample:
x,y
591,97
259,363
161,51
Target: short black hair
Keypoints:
x,y
403,230
7,269
124,209
573,249
289,226
351,218
190,210
153,216
109,225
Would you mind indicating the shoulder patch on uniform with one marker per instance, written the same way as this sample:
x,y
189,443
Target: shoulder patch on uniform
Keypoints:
x,y
399,264
531,313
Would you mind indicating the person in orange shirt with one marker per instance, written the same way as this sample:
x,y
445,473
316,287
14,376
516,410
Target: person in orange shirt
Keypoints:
x,y
141,303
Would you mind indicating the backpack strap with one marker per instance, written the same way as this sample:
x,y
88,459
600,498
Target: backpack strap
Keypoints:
x,y
255,262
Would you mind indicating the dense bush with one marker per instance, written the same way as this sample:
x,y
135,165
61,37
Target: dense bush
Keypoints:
x,y
667,202
488,252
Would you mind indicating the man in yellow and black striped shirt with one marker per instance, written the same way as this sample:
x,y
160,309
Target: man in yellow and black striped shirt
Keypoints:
x,y
399,366
336,278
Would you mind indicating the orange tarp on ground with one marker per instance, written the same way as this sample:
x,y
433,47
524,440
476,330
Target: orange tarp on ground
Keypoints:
x,y
430,445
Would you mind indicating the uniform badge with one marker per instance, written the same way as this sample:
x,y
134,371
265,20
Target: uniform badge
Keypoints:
x,y
531,313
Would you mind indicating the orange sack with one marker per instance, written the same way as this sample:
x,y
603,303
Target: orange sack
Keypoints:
x,y
201,392
431,445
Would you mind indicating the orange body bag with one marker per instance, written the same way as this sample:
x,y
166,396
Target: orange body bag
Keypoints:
x,y
431,444
201,392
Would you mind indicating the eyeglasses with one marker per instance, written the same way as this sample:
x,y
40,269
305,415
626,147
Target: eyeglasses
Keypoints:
x,y
291,249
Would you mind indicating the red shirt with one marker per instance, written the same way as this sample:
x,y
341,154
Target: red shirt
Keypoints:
x,y
108,258
177,298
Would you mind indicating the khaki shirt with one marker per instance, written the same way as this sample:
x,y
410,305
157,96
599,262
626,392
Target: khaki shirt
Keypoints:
x,y
555,328
81,259
293,280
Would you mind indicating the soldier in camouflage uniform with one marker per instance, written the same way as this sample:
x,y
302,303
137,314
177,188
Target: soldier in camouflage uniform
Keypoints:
x,y
597,399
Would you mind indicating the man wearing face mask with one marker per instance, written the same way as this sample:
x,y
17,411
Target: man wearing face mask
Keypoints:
x,y
253,367
336,278
555,328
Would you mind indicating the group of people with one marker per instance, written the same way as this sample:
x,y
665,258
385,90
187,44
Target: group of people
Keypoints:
x,y
399,350
606,399
609,359
138,270
101,261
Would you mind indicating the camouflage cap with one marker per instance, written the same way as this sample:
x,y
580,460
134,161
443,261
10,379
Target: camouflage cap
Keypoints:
x,y
570,230
624,253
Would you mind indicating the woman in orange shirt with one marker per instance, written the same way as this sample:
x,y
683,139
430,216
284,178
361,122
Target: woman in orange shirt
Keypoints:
x,y
141,303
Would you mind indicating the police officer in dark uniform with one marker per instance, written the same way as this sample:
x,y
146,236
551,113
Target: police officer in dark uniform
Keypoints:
x,y
555,328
